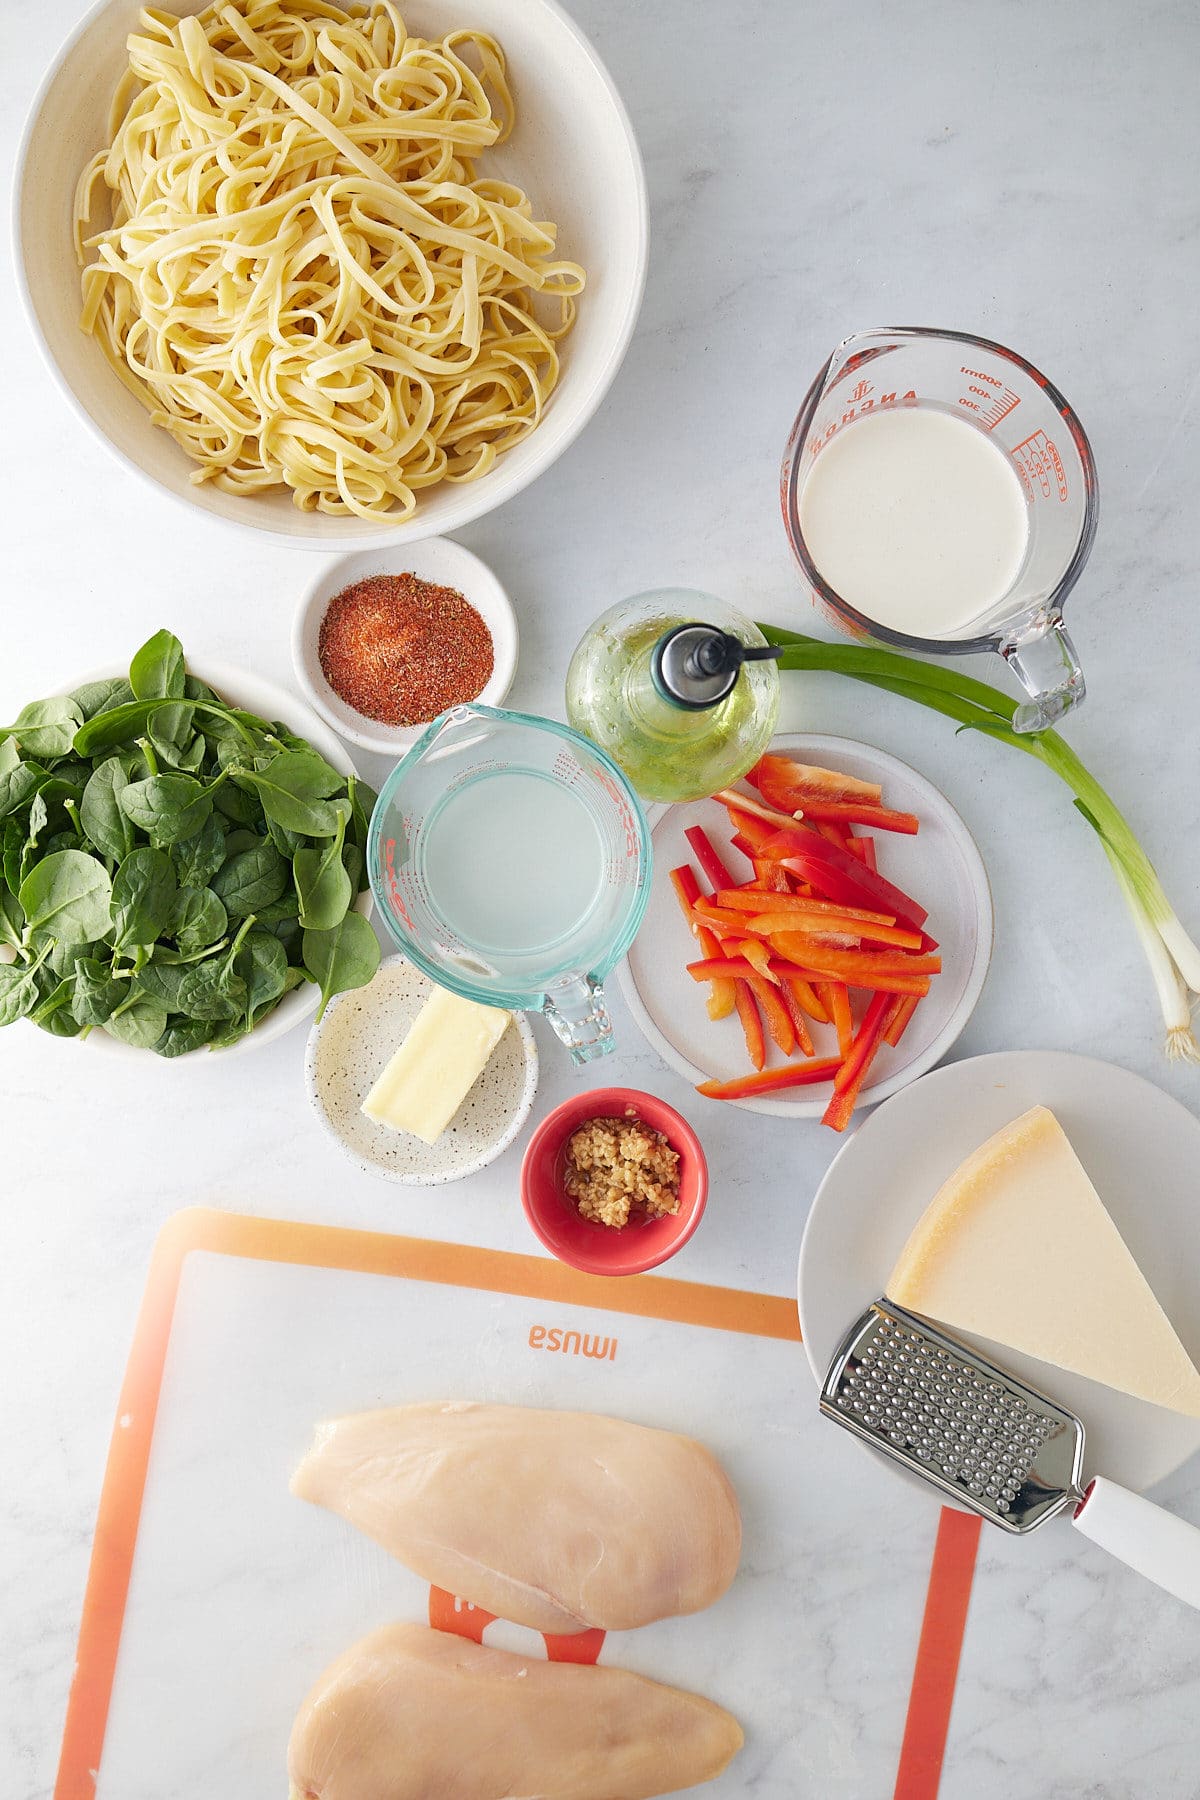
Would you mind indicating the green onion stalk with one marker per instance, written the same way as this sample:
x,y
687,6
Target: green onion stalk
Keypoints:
x,y
1173,957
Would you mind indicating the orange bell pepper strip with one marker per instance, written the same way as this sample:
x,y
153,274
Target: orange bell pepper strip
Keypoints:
x,y
770,1081
795,1013
757,954
752,1025
829,926
858,969
837,835
848,1082
774,1012
837,997
905,1008
687,890
805,995
749,900
844,813
746,806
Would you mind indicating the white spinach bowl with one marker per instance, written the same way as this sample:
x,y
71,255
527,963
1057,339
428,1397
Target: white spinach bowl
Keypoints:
x,y
573,150
252,694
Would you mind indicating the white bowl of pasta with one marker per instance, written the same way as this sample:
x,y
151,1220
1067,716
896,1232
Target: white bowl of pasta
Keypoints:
x,y
334,330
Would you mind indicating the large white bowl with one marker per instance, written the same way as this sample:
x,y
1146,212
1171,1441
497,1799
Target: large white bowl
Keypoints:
x,y
252,694
573,150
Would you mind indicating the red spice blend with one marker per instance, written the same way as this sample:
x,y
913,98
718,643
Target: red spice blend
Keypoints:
x,y
401,650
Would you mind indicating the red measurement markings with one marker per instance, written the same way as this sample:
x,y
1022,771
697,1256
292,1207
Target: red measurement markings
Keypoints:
x,y
1037,456
987,397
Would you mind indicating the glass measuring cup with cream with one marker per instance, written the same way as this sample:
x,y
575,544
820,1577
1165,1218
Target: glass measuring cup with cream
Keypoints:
x,y
940,494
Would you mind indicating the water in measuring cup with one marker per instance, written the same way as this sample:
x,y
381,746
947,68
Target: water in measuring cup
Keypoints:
x,y
916,518
513,861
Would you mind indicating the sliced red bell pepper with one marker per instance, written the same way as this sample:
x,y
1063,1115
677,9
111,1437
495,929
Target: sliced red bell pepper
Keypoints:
x,y
847,1083
707,857
752,1025
838,835
906,1006
779,780
770,1081
752,830
743,845
846,812
771,876
837,997
867,854
838,875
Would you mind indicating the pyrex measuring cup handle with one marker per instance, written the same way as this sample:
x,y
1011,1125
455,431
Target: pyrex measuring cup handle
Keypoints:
x,y
578,1011
1045,663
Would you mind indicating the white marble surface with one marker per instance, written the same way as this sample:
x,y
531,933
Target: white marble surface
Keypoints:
x,y
1028,172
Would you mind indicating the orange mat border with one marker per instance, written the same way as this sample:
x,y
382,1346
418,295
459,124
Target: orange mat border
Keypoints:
x,y
378,1253
935,1676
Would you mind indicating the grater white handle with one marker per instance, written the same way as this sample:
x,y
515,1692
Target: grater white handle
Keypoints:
x,y
1146,1537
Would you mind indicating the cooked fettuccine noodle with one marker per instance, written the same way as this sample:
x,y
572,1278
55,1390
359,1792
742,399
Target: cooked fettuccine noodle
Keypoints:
x,y
304,278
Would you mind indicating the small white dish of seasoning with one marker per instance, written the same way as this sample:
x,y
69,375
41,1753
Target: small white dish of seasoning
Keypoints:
x,y
386,639
353,1046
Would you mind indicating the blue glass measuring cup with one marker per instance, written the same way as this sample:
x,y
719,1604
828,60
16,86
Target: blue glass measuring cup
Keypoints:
x,y
510,860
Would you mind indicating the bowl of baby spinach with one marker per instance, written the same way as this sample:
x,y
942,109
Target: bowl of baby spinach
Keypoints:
x,y
179,869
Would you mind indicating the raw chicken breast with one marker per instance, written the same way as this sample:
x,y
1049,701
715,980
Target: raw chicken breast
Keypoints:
x,y
560,1521
414,1714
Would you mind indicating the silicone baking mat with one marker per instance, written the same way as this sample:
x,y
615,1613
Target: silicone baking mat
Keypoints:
x,y
214,1598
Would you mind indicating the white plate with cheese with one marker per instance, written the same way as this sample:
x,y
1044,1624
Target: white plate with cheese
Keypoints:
x,y
354,1044
1141,1150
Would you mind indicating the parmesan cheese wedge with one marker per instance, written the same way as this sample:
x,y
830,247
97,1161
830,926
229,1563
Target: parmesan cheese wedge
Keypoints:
x,y
1017,1246
437,1065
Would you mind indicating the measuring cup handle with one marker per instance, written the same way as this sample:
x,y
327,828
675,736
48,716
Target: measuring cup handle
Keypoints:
x,y
1045,663
578,1011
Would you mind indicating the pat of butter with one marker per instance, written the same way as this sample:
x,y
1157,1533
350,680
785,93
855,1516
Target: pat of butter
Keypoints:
x,y
436,1066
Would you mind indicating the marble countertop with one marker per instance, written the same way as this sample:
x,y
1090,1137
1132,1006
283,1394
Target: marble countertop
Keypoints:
x,y
1021,171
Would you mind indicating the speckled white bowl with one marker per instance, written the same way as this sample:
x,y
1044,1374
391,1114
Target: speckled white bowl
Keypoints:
x,y
352,1044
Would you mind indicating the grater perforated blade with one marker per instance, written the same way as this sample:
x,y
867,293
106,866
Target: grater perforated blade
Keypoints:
x,y
985,1439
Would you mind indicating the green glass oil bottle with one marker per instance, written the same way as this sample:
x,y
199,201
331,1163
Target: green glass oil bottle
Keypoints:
x,y
680,689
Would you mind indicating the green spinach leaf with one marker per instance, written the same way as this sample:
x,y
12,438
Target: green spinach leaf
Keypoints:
x,y
46,728
197,858
157,669
143,898
68,895
96,994
346,957
212,990
197,919
19,987
166,807
140,1021
263,965
101,813
323,885
251,880
294,788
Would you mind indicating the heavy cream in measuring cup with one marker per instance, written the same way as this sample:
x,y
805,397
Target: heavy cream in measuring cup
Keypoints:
x,y
916,519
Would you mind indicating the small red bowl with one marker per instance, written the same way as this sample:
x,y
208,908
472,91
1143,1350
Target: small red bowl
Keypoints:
x,y
599,1249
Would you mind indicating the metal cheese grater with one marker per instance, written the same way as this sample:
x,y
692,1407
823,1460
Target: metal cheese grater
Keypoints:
x,y
994,1444
981,1436
991,1443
